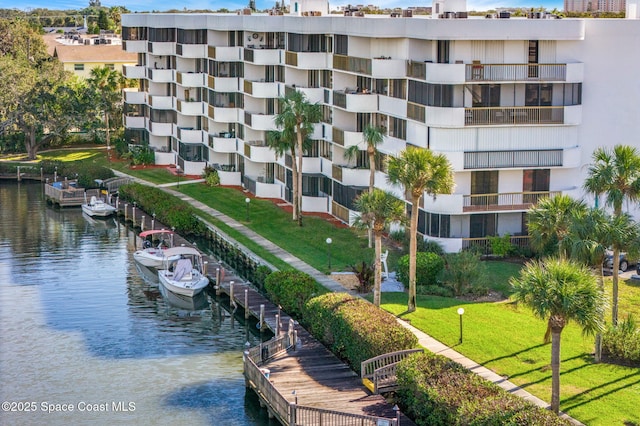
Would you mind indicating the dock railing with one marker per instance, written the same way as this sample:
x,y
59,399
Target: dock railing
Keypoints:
x,y
379,373
288,413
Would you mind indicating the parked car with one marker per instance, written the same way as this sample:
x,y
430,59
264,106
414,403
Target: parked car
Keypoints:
x,y
625,262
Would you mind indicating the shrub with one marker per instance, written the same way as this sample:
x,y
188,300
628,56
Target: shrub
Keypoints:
x,y
169,210
354,329
621,343
463,271
428,268
434,390
290,289
211,176
501,246
423,245
435,290
365,273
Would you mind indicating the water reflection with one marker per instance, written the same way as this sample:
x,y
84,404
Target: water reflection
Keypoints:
x,y
80,323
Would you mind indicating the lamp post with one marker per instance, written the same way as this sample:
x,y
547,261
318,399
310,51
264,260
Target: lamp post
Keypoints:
x,y
329,241
460,313
247,201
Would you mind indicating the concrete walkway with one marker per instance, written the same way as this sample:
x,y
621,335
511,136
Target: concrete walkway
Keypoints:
x,y
424,339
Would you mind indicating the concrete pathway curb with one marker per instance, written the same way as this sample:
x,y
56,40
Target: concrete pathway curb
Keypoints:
x,y
424,339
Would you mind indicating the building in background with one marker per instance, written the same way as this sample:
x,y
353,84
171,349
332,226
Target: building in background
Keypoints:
x,y
516,104
80,53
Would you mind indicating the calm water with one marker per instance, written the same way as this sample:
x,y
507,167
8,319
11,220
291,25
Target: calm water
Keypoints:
x,y
81,330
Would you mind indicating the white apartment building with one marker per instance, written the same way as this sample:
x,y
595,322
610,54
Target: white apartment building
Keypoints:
x,y
517,105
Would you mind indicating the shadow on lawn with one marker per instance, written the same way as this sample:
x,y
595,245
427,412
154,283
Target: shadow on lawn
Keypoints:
x,y
547,367
586,396
513,354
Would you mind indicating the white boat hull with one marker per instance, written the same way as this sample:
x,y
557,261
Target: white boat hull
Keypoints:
x,y
151,257
98,208
186,287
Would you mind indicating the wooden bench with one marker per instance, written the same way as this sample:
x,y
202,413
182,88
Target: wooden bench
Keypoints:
x,y
379,373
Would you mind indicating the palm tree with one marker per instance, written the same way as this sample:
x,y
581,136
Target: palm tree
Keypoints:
x,y
106,84
559,291
615,173
372,136
297,116
549,220
589,235
419,171
377,210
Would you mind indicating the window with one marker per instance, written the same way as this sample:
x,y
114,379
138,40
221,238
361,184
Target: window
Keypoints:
x,y
342,44
398,89
485,95
78,67
482,225
226,69
443,51
572,94
438,95
536,180
398,128
324,149
538,94
110,66
162,34
192,36
484,182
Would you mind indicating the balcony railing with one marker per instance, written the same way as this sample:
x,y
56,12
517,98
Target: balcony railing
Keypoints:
x,y
508,159
503,201
483,245
515,72
352,64
514,115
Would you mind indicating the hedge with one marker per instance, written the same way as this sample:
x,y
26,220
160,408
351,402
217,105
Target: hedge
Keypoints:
x,y
434,390
291,290
169,210
354,329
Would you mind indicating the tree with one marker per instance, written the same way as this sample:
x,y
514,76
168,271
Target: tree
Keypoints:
x,y
419,171
37,97
378,209
560,291
372,137
106,85
616,174
297,117
549,220
588,237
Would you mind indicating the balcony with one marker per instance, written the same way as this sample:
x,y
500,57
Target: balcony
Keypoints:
x,y
222,114
258,151
313,94
223,143
259,121
161,129
514,115
134,71
308,60
436,73
225,53
132,96
191,50
161,102
513,159
346,138
478,72
262,89
134,122
351,176
260,56
483,245
223,84
506,201
162,48
352,64
354,101
261,188
190,107
189,135
190,79
385,67
161,76
134,46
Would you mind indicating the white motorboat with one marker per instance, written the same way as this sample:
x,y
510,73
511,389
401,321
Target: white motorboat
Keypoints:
x,y
183,276
151,254
194,303
97,207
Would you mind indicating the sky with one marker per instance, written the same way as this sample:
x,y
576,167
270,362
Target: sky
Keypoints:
x,y
162,5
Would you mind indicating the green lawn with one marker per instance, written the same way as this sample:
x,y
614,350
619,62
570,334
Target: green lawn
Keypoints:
x,y
498,335
508,340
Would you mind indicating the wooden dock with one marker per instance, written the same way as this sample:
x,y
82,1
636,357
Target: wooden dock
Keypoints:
x,y
297,379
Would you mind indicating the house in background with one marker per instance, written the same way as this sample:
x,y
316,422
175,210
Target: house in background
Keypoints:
x,y
80,54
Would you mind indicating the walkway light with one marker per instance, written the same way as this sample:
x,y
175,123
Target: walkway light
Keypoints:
x,y
460,313
329,241
247,201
